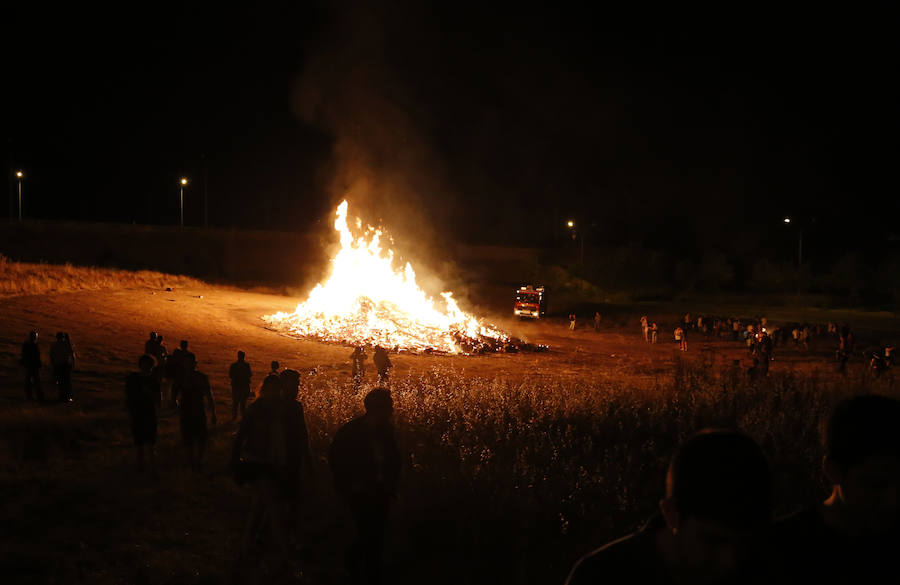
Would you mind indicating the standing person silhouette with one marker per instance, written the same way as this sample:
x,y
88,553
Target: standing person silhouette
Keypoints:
x,y
31,362
240,375
358,363
190,391
141,398
382,364
365,463
62,359
262,456
176,366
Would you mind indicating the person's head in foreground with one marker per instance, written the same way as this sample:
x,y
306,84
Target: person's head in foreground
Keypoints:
x,y
718,503
290,384
145,364
241,355
271,387
379,407
862,463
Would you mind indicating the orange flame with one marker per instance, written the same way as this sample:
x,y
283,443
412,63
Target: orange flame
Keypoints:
x,y
366,301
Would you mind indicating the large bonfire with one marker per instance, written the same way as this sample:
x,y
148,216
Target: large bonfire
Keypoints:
x,y
366,301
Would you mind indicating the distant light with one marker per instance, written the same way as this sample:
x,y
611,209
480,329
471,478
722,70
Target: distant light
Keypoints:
x,y
787,220
570,223
19,174
184,181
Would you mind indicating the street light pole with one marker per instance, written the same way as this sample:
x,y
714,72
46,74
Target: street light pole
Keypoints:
x,y
20,175
183,182
788,220
575,234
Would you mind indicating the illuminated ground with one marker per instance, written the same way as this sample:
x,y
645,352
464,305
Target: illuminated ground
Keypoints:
x,y
109,328
66,477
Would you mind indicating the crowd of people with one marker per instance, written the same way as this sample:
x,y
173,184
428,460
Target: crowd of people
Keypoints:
x,y
761,338
715,521
270,452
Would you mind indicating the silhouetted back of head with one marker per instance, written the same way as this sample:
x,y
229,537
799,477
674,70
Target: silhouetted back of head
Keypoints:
x,y
723,476
183,344
863,427
153,335
241,356
290,382
60,336
271,386
32,335
379,401
145,363
275,366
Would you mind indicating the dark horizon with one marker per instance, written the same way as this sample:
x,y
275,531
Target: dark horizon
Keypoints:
x,y
493,127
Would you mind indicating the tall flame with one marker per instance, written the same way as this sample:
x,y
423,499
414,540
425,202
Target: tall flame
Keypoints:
x,y
366,301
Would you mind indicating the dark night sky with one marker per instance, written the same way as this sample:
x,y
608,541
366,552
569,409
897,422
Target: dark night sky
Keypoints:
x,y
693,130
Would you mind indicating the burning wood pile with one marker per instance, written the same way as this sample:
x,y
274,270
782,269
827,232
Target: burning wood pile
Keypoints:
x,y
366,301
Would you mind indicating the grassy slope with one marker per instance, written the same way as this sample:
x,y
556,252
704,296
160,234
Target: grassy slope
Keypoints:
x,y
23,278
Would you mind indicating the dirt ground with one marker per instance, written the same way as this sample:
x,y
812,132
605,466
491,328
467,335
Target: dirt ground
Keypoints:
x,y
74,509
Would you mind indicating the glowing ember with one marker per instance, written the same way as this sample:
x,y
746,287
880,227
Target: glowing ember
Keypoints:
x,y
366,301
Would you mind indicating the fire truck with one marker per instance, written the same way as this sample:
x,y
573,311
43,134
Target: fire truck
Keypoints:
x,y
531,302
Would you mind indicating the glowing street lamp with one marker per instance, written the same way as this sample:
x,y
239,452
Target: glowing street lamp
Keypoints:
x,y
183,183
19,176
571,225
788,221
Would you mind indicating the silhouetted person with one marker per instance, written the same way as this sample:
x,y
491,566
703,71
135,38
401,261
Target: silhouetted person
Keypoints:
x,y
382,364
151,345
190,391
161,348
266,454
62,360
358,362
240,375
160,356
571,321
598,320
365,462
31,362
301,463
176,366
854,535
714,517
141,399
290,389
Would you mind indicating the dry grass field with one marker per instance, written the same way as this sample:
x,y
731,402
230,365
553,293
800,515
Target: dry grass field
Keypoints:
x,y
514,464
